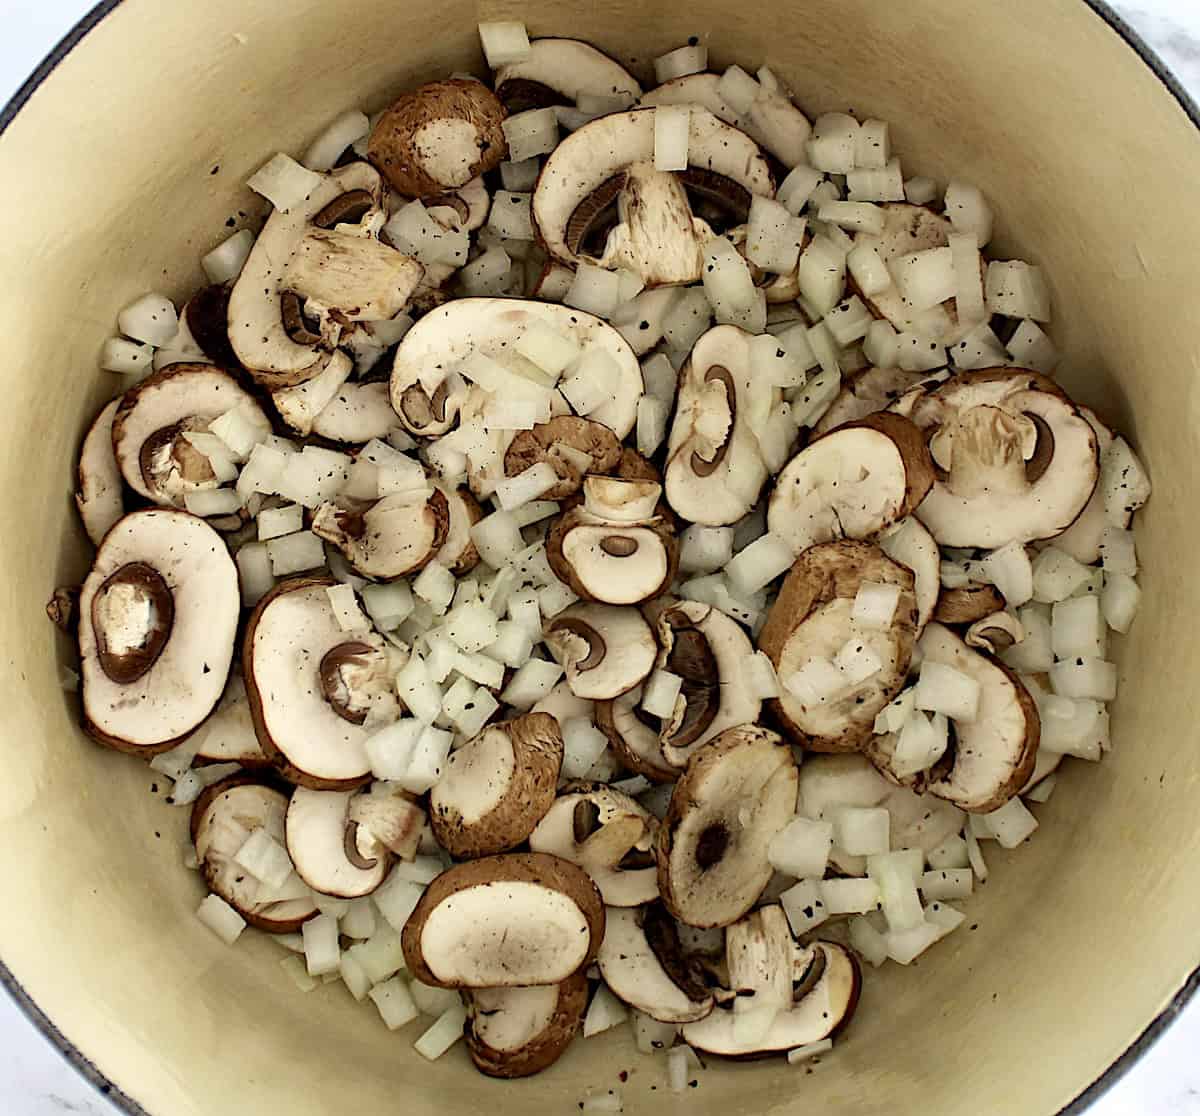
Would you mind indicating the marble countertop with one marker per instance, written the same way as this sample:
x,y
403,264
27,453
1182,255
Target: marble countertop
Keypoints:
x,y
35,1081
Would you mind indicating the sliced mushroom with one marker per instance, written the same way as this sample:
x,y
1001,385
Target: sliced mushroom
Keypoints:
x,y
438,137
995,754
634,739
466,208
505,922
517,1032
301,404
458,553
911,545
557,71
356,414
1017,460
99,496
734,797
394,536
313,687
967,603
224,816
871,391
150,424
609,163
995,633
605,649
440,341
228,736
206,316
715,466
564,442
332,853
852,483
497,787
1082,539
813,990
812,619
609,835
158,616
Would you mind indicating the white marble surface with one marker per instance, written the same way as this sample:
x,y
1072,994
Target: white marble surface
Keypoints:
x,y
35,1081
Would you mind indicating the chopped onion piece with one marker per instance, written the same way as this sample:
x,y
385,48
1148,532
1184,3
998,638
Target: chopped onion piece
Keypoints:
x,y
897,889
1015,289
875,604
1056,575
150,319
1124,484
520,176
395,1003
504,42
672,126
382,954
759,564
1010,571
869,271
882,343
1077,628
487,274
1031,348
773,236
920,190
226,260
221,919
801,849
345,131
213,501
1042,792
919,354
738,89
687,319
295,553
435,586
601,1102
861,217
968,280
947,883
1085,677
867,941
951,853
472,626
254,573
849,321
850,896
1119,601
858,661
796,189
728,283
126,357
653,419
547,348
283,181
926,278
980,348
264,858
583,745
1118,553
529,484
816,682
833,142
884,184
860,831
804,907
510,216
942,689
758,674
530,133
1009,825
821,274
969,211
905,946
389,749
321,951
690,59
604,1012
531,683
894,716
660,693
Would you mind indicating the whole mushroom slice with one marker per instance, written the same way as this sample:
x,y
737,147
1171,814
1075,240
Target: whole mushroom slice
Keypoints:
x,y
1017,461
870,391
852,483
633,738
644,964
517,1032
158,616
394,536
228,736
812,990
466,208
497,787
708,650
967,603
505,922
812,620
332,853
443,338
98,495
224,816
438,137
715,466
315,691
908,543
557,71
152,419
609,163
995,633
458,553
1082,539
609,835
564,442
388,813
605,649
356,414
994,755
730,802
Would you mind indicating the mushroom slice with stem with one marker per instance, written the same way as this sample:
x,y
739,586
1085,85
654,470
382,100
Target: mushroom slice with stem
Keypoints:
x,y
497,787
994,755
557,71
158,615
394,536
609,835
609,163
1017,460
871,391
505,922
715,466
316,692
643,962
388,813
517,1032
438,137
908,543
967,603
1083,538
564,442
356,414
634,739
995,633
99,497
732,800
852,483
224,816
605,649
332,853
708,650
837,673
458,553
804,993
151,424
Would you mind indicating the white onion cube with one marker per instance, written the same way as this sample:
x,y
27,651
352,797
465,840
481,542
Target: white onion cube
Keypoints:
x,y
221,919
759,564
875,605
942,689
804,906
801,849
504,41
395,1003
1015,289
672,124
833,142
861,831
690,59
1085,677
850,896
284,182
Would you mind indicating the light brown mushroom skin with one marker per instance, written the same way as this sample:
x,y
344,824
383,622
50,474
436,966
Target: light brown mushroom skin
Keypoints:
x,y
545,1048
467,506
967,604
538,444
537,746
533,868
391,148
919,470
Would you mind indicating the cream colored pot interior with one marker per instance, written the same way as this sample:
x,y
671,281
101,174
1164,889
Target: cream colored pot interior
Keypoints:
x,y
109,187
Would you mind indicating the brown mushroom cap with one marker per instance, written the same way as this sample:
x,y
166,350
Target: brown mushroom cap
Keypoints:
x,y
967,604
635,741
544,442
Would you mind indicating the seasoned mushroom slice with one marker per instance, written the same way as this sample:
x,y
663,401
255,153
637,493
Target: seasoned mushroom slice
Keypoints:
x,y
458,553
715,466
632,736
1082,539
871,391
808,993
605,649
643,962
995,633
224,816
438,137
734,797
98,496
497,787
151,424
995,754
967,603
394,536
609,835
557,71
836,673
332,853
388,814
908,543
564,442
708,650
505,922
316,692
852,483
356,414
158,617
517,1032
1017,460
228,735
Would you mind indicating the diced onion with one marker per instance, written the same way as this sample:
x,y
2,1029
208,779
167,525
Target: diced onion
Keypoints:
x,y
942,689
214,501
687,319
797,187
602,1102
510,216
801,849
738,89
283,181
868,942
604,1012
860,831
150,319
920,190
226,260
435,586
672,126
850,896
951,853
221,919
531,133
529,484
926,278
531,683
947,883
1056,575
321,951
861,217
295,553
1016,289
1031,348
728,283
254,573
1011,824
504,42
1119,601
264,858
395,1003
1085,677
833,142
897,890
969,212
343,132
1009,570
885,184
858,661
821,274
804,907
487,274
773,236
875,604
1078,628
759,564
690,59
881,346
849,321
1124,485
126,357
919,354
583,745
